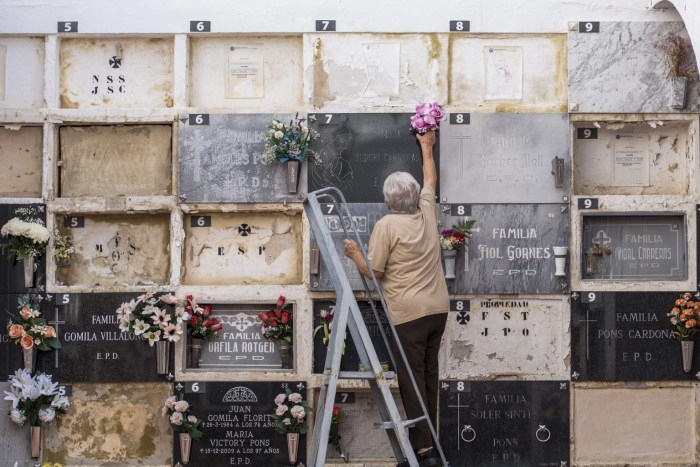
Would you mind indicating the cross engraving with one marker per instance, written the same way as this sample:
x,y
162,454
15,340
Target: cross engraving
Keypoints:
x,y
56,323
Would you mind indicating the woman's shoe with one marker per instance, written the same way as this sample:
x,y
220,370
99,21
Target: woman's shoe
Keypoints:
x,y
429,458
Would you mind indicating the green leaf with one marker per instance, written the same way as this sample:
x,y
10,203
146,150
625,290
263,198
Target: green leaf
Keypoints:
x,y
55,343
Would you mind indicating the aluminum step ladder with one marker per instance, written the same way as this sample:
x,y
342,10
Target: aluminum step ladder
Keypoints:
x,y
347,316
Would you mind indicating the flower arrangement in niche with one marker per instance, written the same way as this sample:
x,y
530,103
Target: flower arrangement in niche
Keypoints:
x,y
62,247
35,399
685,317
326,326
277,323
290,413
427,118
456,237
289,141
153,318
334,434
677,56
201,324
29,329
180,418
27,235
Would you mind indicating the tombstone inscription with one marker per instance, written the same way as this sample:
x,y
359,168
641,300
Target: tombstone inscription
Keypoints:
x,y
237,423
511,250
625,336
357,152
505,158
504,423
350,360
94,348
220,161
631,247
12,272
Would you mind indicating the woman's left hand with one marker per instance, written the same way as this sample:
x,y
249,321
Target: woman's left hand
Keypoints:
x,y
351,248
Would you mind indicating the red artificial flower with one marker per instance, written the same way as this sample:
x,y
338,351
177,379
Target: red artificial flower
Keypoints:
x,y
207,310
207,323
263,316
285,317
336,410
273,323
280,302
459,235
278,313
328,317
193,321
271,314
216,327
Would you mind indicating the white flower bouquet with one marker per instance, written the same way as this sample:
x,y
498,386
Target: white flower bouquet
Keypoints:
x,y
27,234
290,414
180,418
285,142
154,319
34,399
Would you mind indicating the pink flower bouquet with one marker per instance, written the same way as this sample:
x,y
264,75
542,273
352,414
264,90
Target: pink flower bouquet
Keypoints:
x,y
427,118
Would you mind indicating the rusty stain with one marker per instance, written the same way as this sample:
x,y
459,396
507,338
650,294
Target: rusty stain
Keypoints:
x,y
435,46
673,167
66,103
321,91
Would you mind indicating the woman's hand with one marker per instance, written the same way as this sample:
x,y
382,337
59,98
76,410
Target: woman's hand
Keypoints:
x,y
426,139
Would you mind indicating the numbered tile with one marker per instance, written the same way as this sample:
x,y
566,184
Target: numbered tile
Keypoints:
x,y
242,73
220,160
116,73
243,248
117,251
21,158
602,64
512,335
127,159
505,158
21,73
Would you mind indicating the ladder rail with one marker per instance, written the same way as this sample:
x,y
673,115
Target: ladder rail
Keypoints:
x,y
329,192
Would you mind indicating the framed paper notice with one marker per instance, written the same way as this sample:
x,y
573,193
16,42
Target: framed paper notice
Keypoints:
x,y
244,73
503,70
3,70
630,162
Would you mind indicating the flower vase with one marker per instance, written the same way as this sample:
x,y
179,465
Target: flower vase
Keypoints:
x,y
285,349
292,176
293,447
29,356
687,352
185,447
450,257
29,267
679,86
162,356
560,260
196,347
35,441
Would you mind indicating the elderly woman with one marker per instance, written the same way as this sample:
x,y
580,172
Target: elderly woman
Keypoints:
x,y
404,253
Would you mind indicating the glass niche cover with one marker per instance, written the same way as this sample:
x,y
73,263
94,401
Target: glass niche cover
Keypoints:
x,y
634,247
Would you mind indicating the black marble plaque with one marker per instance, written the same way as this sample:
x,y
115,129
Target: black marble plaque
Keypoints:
x,y
503,423
12,273
220,161
357,151
11,358
237,425
94,349
634,247
625,336
365,217
240,343
511,250
350,360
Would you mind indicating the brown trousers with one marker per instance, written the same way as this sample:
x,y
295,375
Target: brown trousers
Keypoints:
x,y
420,340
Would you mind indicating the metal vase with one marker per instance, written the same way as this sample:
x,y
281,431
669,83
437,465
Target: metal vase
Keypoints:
x,y
679,86
687,352
185,447
450,257
29,357
29,267
162,356
292,176
35,441
293,447
285,349
196,347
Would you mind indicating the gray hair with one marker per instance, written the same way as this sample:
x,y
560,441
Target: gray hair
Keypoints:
x,y
401,192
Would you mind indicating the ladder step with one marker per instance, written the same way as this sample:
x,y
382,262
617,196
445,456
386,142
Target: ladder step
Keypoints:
x,y
365,375
406,423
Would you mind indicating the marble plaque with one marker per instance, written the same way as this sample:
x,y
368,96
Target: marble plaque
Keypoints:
x,y
635,248
242,248
240,343
12,272
625,336
504,158
220,162
358,151
503,423
511,250
350,360
620,69
237,423
365,217
94,348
